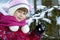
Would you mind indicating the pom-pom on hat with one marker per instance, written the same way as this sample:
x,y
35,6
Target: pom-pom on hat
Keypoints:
x,y
16,4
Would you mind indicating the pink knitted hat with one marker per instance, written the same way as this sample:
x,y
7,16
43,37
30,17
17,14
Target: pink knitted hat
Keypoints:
x,y
15,4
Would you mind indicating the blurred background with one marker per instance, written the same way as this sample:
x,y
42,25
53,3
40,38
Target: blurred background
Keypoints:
x,y
52,31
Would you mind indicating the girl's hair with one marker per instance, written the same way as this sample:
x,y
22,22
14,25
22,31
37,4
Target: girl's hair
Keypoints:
x,y
23,9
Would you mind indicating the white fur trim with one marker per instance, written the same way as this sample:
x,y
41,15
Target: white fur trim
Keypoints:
x,y
14,28
13,9
25,29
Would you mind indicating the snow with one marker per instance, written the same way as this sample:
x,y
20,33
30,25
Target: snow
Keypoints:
x,y
49,14
41,7
58,20
4,6
29,21
3,1
2,11
47,20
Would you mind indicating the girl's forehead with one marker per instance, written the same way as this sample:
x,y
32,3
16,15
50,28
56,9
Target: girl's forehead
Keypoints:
x,y
20,10
23,9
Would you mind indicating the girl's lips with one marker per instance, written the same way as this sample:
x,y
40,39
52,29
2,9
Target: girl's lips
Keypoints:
x,y
19,18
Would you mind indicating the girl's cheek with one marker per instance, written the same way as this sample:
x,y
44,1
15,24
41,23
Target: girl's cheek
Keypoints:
x,y
24,16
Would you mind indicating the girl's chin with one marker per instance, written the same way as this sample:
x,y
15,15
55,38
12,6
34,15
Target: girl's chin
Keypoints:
x,y
19,19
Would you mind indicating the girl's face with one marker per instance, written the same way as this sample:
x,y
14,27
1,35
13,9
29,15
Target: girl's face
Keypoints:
x,y
20,15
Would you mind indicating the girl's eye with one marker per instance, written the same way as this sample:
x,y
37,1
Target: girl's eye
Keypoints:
x,y
20,11
24,13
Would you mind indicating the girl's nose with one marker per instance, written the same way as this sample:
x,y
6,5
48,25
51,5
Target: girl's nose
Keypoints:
x,y
21,15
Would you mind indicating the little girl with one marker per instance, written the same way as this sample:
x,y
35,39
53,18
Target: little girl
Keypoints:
x,y
16,20
13,26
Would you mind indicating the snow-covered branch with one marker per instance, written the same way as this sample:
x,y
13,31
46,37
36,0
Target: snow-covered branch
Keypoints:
x,y
41,16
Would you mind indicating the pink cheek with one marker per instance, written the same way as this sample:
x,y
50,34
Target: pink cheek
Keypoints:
x,y
24,16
